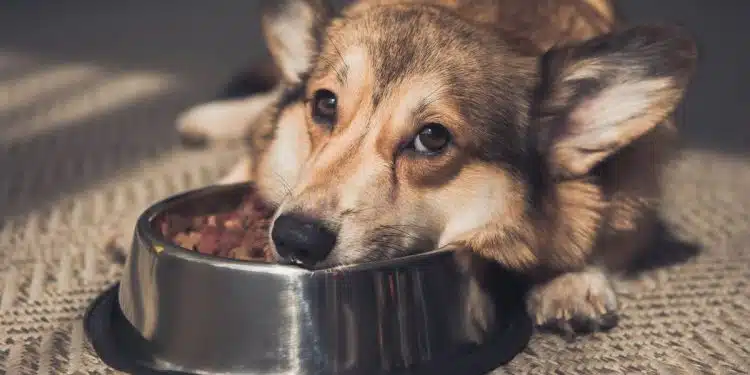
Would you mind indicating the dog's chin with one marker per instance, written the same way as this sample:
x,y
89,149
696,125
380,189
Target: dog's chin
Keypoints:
x,y
345,256
325,264
367,254
332,261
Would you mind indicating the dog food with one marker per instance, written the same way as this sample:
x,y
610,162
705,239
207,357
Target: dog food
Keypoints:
x,y
240,234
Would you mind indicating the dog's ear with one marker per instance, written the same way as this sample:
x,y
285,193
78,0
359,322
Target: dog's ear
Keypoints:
x,y
600,95
293,30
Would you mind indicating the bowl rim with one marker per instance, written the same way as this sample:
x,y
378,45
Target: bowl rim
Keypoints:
x,y
163,247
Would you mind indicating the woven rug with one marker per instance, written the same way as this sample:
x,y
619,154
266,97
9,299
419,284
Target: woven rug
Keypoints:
x,y
88,95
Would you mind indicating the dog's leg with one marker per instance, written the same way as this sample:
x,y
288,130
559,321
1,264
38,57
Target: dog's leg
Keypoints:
x,y
479,308
224,121
582,301
240,172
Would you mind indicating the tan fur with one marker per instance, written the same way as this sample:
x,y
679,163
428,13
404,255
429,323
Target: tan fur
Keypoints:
x,y
602,148
538,24
568,237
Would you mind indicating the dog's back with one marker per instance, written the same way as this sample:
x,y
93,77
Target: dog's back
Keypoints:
x,y
538,25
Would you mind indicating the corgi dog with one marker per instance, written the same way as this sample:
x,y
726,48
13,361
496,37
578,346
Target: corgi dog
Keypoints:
x,y
530,133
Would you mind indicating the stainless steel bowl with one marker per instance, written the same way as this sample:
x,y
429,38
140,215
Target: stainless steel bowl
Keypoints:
x,y
178,311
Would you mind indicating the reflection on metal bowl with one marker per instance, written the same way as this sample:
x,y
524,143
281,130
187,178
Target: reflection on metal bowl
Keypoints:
x,y
179,311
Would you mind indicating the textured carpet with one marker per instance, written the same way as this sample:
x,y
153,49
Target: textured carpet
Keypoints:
x,y
88,94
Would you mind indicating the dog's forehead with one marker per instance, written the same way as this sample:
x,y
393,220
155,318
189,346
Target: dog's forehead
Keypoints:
x,y
401,42
383,51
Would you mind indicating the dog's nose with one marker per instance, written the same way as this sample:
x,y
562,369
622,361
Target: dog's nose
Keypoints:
x,y
302,239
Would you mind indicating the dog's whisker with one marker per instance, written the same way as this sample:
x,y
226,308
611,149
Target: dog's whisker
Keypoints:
x,y
396,240
404,228
284,184
360,210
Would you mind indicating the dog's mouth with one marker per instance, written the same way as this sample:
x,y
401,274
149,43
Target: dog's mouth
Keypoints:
x,y
383,243
297,261
381,252
379,245
291,261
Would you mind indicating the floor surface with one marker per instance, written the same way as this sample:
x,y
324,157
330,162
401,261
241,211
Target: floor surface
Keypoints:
x,y
88,94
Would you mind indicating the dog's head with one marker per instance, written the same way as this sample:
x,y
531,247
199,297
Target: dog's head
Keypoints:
x,y
405,128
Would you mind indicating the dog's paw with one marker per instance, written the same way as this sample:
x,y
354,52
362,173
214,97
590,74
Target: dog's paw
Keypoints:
x,y
575,302
222,121
240,172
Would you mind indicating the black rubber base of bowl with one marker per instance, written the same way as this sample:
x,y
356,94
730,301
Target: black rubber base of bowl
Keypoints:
x,y
120,346
114,340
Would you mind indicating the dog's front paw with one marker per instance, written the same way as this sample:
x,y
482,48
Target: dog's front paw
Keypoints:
x,y
575,302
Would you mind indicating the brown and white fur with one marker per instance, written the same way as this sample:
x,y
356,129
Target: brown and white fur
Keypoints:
x,y
557,120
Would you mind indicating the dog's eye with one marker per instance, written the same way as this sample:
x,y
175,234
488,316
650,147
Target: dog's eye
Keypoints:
x,y
324,107
432,139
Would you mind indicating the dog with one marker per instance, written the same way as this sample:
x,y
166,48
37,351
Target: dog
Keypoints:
x,y
531,133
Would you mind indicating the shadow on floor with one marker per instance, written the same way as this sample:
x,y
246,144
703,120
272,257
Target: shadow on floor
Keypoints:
x,y
204,44
45,167
666,250
199,44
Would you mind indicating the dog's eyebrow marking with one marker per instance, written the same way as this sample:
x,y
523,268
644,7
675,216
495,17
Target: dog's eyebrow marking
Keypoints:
x,y
377,96
341,74
428,100
338,64
341,70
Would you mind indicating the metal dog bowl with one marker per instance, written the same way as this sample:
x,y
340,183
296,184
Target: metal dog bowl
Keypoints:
x,y
180,312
